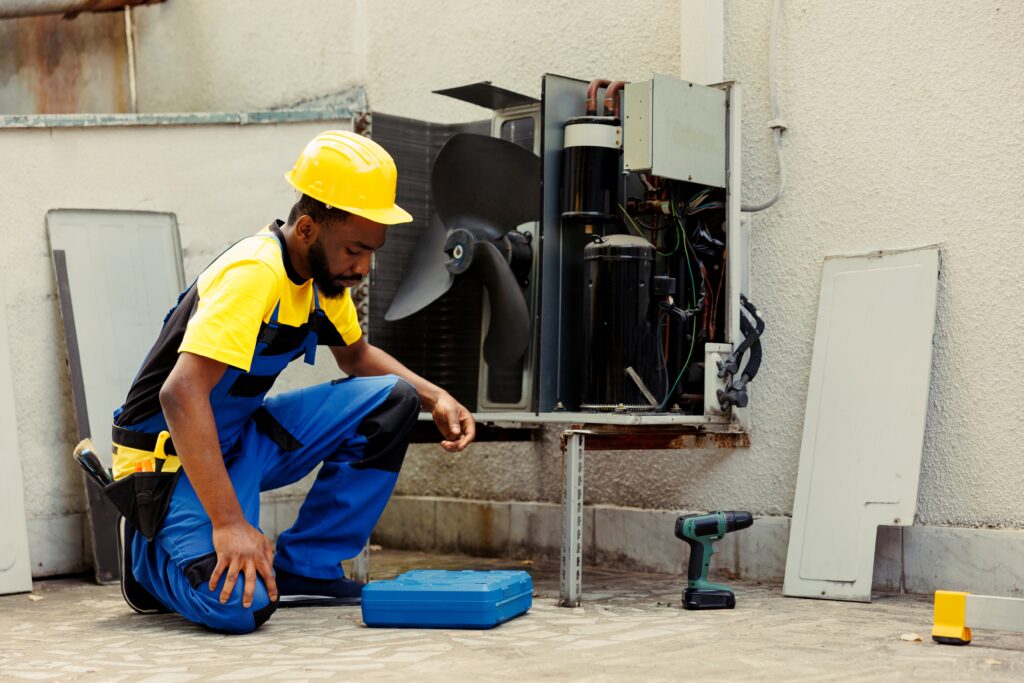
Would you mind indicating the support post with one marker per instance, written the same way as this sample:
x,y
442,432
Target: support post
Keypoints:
x,y
571,586
361,564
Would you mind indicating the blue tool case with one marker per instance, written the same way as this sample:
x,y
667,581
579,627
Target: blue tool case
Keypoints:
x,y
447,599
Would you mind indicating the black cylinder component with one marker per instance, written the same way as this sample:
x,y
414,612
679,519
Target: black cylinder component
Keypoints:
x,y
619,324
736,520
590,171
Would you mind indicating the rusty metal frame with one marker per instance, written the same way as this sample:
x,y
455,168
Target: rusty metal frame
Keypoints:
x,y
69,8
180,119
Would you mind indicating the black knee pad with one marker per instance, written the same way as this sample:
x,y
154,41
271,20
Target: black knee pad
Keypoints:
x,y
199,570
387,429
198,573
260,616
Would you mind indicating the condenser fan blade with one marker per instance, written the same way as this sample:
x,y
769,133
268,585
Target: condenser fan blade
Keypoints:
x,y
426,278
486,185
508,332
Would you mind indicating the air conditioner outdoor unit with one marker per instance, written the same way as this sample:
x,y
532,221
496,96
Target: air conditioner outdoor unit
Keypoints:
x,y
569,264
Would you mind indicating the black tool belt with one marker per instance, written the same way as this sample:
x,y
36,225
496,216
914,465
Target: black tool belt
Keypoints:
x,y
144,497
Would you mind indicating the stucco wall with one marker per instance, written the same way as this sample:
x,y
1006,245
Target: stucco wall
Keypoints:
x,y
222,182
905,129
250,54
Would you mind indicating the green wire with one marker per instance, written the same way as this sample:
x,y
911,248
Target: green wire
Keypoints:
x,y
693,296
629,221
635,227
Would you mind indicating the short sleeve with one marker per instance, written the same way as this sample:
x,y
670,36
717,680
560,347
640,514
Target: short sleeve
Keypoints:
x,y
233,304
342,314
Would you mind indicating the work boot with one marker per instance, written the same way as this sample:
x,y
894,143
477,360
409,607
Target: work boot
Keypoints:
x,y
301,591
137,597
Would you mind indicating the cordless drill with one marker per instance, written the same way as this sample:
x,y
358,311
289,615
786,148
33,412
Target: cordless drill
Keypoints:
x,y
700,532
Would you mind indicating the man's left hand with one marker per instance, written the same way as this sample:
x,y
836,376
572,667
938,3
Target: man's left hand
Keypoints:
x,y
455,422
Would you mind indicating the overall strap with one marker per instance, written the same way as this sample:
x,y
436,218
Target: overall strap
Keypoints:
x,y
316,319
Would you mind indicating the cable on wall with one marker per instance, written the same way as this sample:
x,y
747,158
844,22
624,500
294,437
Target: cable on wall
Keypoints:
x,y
777,125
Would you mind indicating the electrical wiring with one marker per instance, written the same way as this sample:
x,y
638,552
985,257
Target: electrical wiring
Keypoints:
x,y
777,125
679,241
633,224
718,297
693,259
663,349
668,396
693,334
630,221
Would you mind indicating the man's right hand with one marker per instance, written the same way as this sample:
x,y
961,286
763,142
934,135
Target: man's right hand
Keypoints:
x,y
241,548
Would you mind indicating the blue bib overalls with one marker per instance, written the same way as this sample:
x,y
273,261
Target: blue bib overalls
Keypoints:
x,y
357,429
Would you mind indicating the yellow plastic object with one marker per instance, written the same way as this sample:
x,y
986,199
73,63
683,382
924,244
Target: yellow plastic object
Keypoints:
x,y
950,627
349,172
128,460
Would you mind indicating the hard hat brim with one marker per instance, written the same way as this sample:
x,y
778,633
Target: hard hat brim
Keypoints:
x,y
391,215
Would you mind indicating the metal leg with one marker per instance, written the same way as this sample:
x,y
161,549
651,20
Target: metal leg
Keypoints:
x,y
572,520
361,564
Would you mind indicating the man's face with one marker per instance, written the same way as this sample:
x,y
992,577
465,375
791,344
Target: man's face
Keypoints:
x,y
339,257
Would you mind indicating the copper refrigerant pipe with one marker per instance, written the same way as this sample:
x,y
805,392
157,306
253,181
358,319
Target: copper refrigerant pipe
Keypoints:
x,y
613,99
592,89
649,207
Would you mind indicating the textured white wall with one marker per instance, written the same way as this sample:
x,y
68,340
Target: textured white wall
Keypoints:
x,y
222,182
242,55
195,55
906,129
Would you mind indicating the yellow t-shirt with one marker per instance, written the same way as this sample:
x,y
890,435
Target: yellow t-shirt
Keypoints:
x,y
238,293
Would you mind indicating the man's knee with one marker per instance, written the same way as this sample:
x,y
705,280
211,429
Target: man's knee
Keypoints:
x,y
387,429
231,617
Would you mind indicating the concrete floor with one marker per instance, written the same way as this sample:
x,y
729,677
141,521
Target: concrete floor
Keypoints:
x,y
631,628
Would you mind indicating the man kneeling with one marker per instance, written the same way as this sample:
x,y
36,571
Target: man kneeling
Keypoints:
x,y
198,409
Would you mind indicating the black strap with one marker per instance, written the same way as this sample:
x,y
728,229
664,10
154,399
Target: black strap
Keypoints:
x,y
268,425
139,440
286,259
249,386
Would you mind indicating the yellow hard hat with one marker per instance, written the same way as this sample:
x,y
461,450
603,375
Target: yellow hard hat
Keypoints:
x,y
351,173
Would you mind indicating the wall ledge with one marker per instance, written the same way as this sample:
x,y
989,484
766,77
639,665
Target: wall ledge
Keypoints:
x,y
917,559
16,121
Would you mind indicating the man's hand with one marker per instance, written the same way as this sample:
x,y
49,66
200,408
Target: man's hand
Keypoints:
x,y
455,422
242,548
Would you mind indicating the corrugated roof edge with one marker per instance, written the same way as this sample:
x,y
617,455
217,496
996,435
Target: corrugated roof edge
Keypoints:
x,y
179,119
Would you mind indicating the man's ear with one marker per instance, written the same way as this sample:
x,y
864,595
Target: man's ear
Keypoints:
x,y
306,229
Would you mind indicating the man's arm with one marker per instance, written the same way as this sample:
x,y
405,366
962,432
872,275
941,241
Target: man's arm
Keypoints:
x,y
185,399
455,422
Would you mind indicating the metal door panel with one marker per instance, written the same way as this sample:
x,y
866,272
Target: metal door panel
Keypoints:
x,y
15,567
864,425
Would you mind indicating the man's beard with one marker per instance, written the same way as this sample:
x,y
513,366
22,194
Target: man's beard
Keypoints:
x,y
329,285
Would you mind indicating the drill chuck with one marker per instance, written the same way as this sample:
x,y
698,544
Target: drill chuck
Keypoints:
x,y
734,521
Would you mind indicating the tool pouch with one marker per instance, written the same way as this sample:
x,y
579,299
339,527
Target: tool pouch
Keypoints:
x,y
143,498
